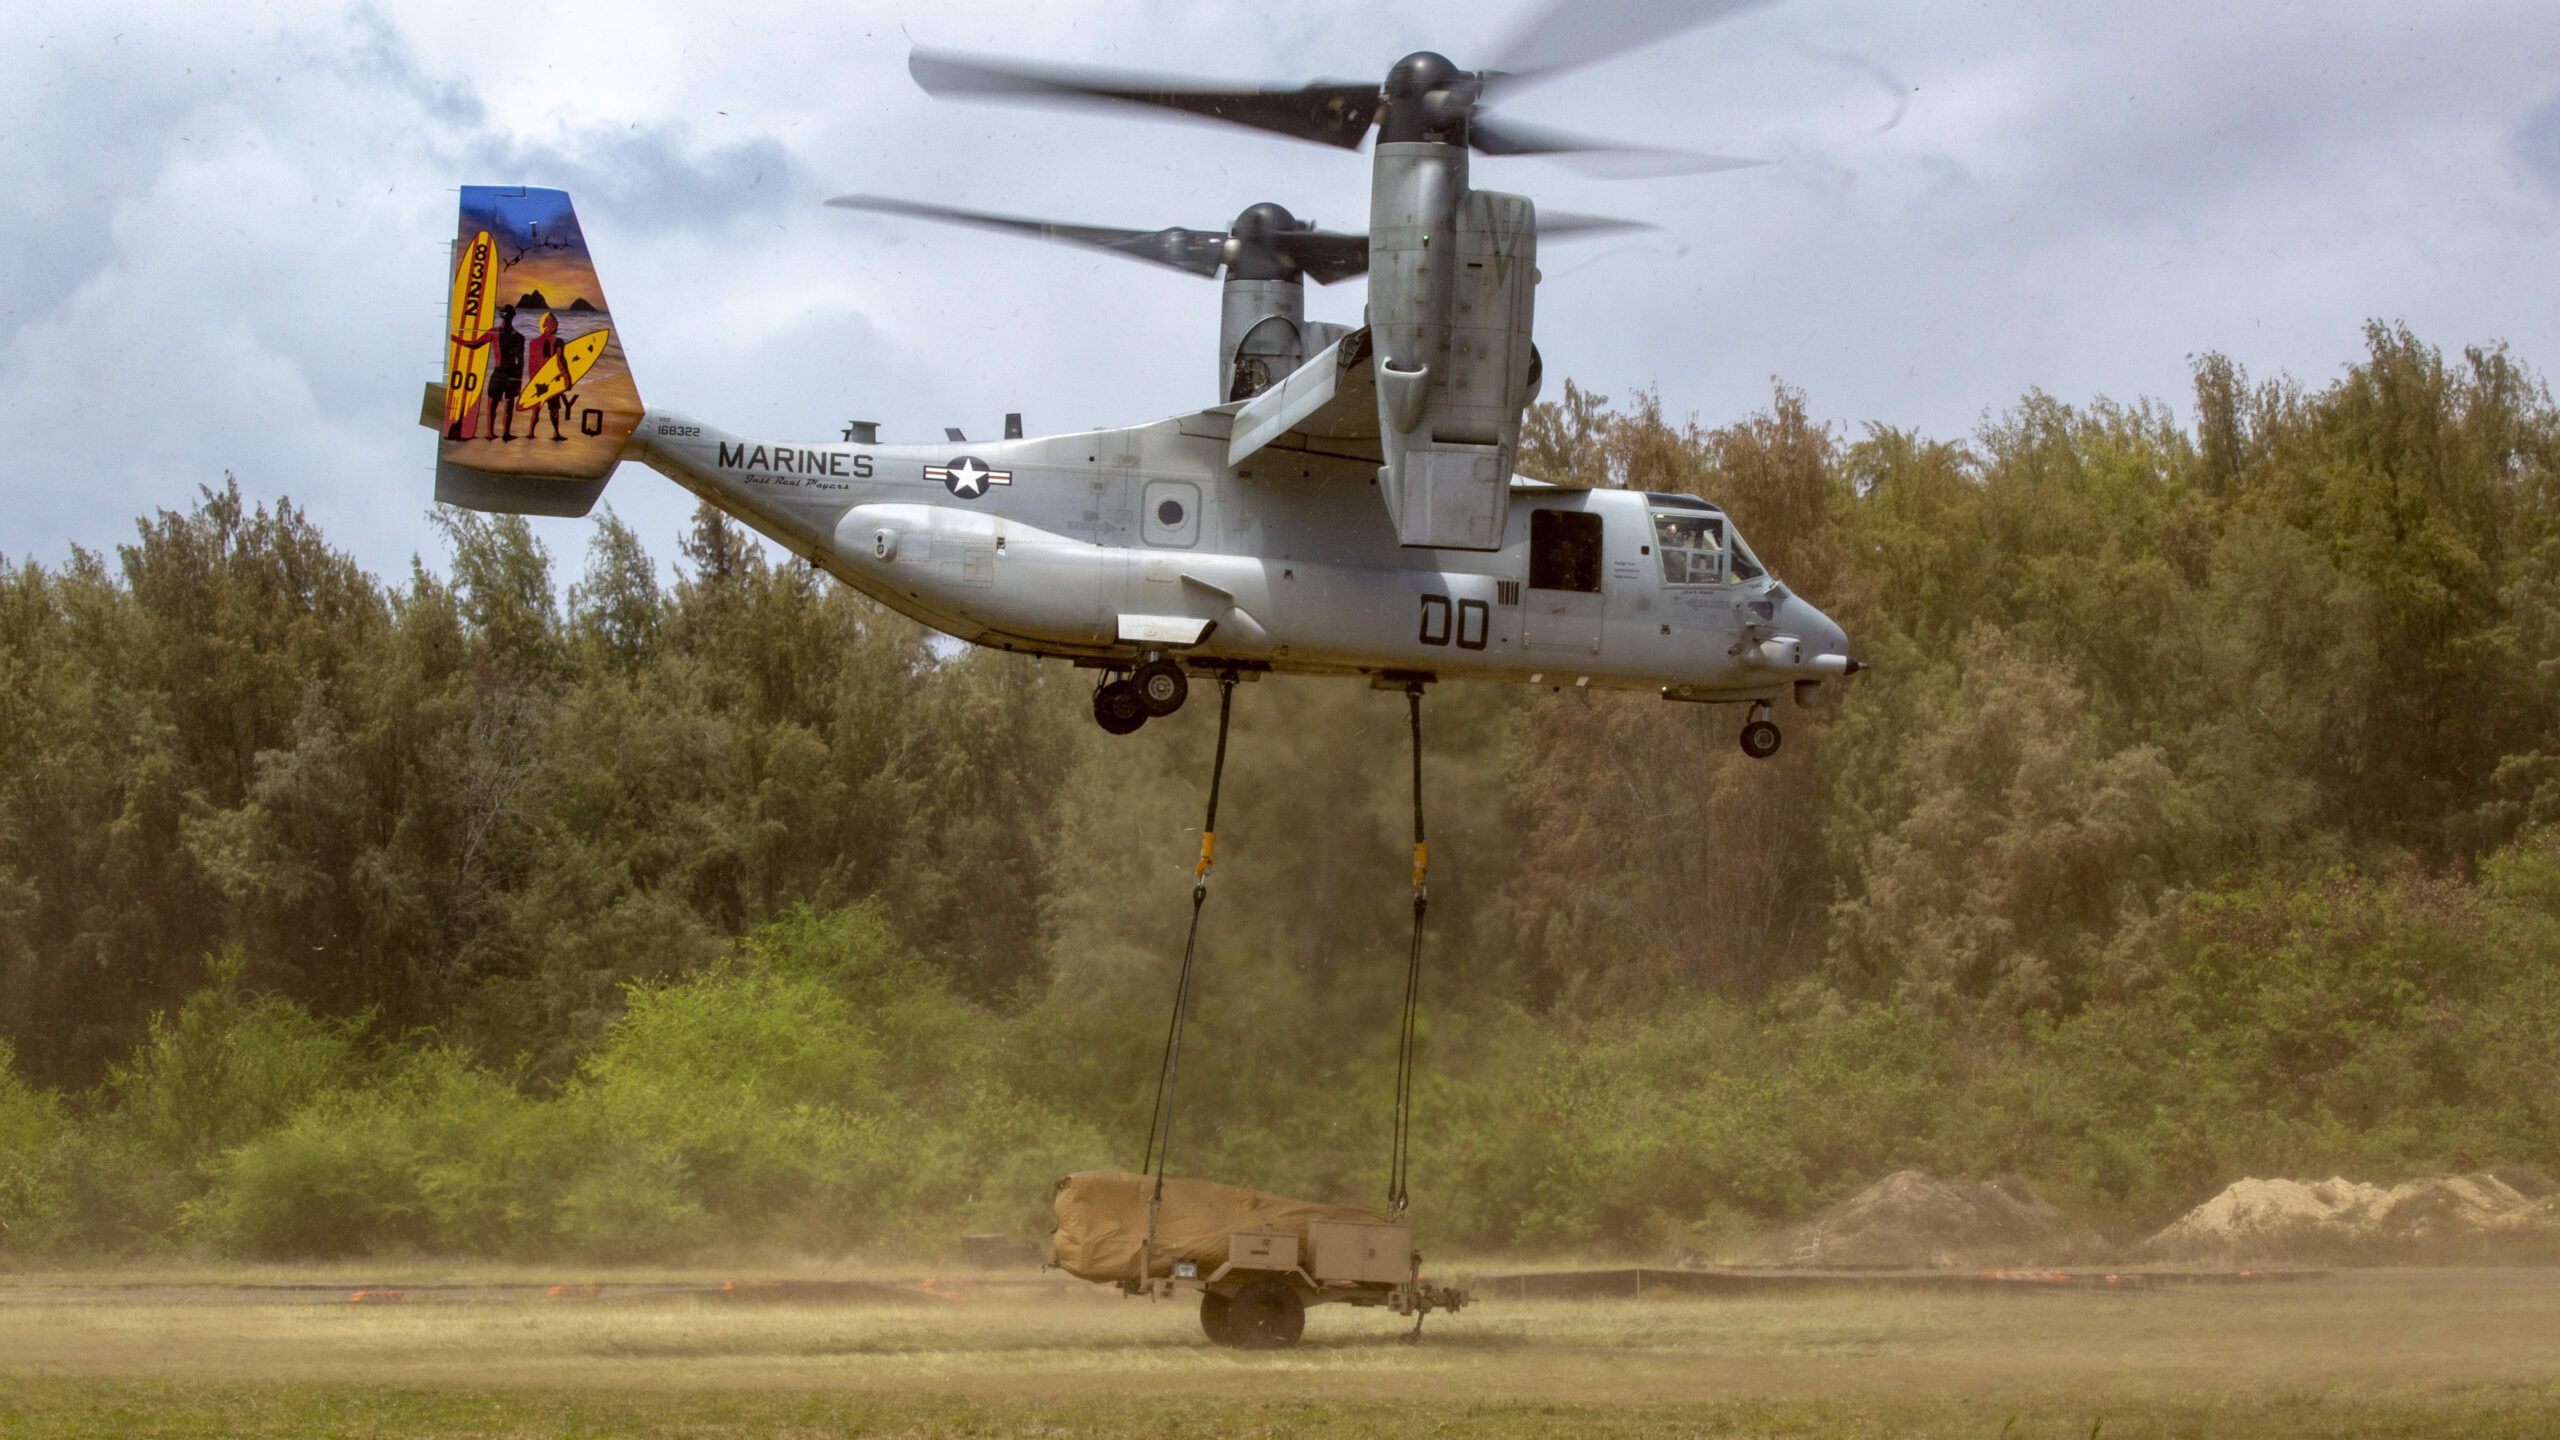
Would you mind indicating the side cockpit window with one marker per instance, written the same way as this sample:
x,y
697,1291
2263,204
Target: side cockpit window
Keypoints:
x,y
1692,548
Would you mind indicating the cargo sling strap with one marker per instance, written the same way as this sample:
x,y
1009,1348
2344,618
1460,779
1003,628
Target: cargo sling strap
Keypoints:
x,y
1407,1025
1169,1070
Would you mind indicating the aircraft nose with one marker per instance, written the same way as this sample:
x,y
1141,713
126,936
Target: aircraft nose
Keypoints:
x,y
1819,632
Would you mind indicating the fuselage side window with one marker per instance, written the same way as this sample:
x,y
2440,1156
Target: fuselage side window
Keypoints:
x,y
1564,550
1692,548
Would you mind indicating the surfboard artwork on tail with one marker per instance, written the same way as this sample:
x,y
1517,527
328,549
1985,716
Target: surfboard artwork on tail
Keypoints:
x,y
538,397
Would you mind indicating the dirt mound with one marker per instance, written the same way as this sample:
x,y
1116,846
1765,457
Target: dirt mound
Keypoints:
x,y
2480,1216
2268,1213
2443,1207
1909,1220
2529,1233
2526,1181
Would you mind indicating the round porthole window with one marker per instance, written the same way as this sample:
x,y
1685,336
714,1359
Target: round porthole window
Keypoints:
x,y
1169,514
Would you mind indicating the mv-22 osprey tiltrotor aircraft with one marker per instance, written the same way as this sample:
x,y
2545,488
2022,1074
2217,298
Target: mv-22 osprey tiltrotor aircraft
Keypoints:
x,y
1350,506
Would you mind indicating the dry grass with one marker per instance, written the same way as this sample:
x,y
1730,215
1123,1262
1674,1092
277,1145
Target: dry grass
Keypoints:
x,y
2379,1352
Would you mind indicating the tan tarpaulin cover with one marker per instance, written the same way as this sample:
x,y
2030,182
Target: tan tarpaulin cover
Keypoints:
x,y
1102,1222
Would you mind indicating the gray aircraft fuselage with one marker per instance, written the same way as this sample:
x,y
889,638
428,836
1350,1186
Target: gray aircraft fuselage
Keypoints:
x,y
1111,545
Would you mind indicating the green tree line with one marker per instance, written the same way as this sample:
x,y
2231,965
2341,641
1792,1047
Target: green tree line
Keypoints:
x,y
2194,820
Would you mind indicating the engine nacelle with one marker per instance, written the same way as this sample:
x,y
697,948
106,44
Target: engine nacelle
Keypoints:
x,y
1452,281
1261,334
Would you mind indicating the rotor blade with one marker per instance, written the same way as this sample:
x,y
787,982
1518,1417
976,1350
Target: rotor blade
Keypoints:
x,y
1324,256
1558,224
1199,252
1494,135
1571,33
1328,112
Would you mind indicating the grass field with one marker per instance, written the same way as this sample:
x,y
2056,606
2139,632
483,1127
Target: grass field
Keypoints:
x,y
2399,1353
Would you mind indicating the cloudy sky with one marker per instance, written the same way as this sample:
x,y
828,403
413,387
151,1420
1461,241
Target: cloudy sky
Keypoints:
x,y
231,227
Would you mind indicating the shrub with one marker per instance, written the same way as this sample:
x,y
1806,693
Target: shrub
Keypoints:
x,y
436,1154
33,1202
226,1068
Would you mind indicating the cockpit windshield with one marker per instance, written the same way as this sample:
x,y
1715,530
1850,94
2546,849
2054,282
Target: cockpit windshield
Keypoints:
x,y
1692,547
1746,566
1701,549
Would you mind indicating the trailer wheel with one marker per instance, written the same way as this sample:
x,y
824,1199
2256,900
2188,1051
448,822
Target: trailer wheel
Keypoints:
x,y
1214,1318
1266,1315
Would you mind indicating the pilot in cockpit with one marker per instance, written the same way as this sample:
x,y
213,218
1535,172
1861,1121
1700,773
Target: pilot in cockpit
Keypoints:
x,y
1692,548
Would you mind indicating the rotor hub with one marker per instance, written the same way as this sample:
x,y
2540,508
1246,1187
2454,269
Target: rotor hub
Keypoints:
x,y
1427,98
1253,251
1260,222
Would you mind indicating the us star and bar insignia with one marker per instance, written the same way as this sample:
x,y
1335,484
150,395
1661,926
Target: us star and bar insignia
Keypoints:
x,y
967,477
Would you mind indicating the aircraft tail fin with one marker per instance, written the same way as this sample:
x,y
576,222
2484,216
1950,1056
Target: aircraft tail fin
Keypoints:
x,y
537,398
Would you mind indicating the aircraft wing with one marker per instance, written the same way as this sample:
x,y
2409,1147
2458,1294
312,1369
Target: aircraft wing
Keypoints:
x,y
1332,397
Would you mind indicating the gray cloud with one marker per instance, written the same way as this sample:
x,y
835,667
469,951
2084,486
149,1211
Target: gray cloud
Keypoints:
x,y
655,178
378,53
2537,143
655,174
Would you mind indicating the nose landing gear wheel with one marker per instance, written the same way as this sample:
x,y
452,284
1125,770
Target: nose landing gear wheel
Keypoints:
x,y
1118,708
1161,686
1265,1315
1760,739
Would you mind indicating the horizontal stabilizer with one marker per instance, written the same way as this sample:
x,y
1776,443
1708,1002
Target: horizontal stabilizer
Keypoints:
x,y
505,494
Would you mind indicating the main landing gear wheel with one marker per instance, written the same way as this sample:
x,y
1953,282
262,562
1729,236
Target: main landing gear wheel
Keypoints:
x,y
1214,1321
1162,687
1118,708
1760,739
1265,1315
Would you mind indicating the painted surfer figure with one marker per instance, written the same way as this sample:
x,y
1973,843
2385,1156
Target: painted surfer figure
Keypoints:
x,y
506,376
545,346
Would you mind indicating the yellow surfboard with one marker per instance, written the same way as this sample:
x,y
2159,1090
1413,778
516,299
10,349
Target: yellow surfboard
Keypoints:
x,y
563,369
475,287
